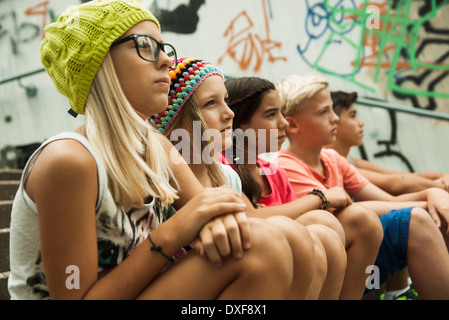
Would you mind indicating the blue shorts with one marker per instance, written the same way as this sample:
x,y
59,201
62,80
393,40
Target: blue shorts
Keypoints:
x,y
392,256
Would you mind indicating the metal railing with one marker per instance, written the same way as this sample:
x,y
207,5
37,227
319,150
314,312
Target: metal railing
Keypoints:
x,y
20,76
361,101
409,110
31,90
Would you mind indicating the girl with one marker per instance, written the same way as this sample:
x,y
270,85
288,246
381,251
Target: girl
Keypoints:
x,y
197,103
257,106
87,220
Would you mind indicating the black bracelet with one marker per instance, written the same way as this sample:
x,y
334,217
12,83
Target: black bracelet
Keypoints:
x,y
155,247
324,203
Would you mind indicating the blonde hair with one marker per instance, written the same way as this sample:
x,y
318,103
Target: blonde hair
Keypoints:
x,y
136,163
296,91
188,114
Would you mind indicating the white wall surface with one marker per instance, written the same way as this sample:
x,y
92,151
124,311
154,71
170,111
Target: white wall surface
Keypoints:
x,y
405,61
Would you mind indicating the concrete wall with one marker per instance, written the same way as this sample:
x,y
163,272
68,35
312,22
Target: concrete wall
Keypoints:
x,y
395,51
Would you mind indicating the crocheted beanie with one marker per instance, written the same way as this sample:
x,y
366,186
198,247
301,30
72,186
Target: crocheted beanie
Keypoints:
x,y
184,80
77,43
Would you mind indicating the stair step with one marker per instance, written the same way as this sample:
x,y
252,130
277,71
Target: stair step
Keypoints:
x,y
8,189
4,294
9,183
5,213
4,252
10,174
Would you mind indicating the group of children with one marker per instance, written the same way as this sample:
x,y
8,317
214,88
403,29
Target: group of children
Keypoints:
x,y
143,214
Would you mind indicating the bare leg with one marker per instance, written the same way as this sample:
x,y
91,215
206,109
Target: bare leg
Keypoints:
x,y
427,257
398,281
361,232
335,255
364,234
307,255
264,272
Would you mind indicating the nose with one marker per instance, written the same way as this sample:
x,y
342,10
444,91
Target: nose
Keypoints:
x,y
335,118
361,123
228,114
283,123
164,60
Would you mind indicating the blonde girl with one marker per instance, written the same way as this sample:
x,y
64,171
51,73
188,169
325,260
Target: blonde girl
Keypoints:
x,y
89,220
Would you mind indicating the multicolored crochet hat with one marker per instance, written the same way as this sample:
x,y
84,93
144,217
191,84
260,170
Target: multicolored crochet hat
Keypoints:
x,y
75,46
184,80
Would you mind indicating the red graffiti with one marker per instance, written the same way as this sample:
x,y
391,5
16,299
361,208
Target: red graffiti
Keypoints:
x,y
39,9
245,46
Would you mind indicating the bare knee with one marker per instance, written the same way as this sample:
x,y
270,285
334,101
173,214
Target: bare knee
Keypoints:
x,y
325,218
321,258
362,223
292,230
303,248
421,225
270,254
335,250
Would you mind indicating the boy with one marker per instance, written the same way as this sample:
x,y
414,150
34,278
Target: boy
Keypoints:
x,y
350,133
411,236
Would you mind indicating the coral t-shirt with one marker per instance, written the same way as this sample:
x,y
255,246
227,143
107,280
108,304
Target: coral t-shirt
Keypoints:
x,y
338,173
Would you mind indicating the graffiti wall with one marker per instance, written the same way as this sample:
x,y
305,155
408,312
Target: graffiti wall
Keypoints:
x,y
392,50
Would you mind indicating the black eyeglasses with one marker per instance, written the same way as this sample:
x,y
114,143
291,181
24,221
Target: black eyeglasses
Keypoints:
x,y
148,48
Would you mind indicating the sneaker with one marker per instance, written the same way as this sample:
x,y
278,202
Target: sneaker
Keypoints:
x,y
409,294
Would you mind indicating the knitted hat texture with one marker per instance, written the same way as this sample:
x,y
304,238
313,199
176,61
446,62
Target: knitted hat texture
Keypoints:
x,y
77,43
184,80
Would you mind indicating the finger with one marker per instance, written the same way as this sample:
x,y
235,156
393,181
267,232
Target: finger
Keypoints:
x,y
210,250
245,229
348,200
235,240
434,214
222,208
221,238
199,248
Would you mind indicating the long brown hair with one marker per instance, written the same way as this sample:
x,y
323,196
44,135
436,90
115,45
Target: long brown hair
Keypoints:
x,y
245,96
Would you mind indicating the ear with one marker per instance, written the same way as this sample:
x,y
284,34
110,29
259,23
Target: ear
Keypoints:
x,y
292,127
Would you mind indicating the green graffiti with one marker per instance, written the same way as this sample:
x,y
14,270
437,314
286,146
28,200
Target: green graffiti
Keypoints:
x,y
398,34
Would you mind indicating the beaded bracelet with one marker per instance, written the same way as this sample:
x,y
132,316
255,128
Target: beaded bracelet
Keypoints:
x,y
155,247
324,203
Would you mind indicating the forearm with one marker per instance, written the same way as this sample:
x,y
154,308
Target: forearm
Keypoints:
x,y
413,196
401,183
127,280
292,209
383,207
430,175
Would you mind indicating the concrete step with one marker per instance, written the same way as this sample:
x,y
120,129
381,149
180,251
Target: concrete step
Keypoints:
x,y
10,174
4,294
4,264
8,189
5,214
4,252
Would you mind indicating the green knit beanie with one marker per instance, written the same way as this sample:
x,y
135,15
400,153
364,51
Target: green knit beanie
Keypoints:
x,y
75,46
